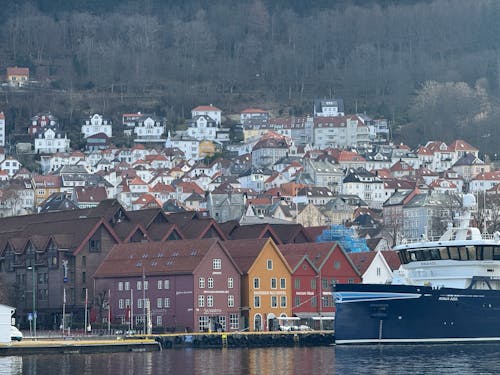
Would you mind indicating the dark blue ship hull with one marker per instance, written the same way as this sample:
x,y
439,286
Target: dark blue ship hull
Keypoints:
x,y
369,313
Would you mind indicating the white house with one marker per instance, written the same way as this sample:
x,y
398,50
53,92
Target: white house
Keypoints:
x,y
188,145
328,107
202,127
149,129
208,110
51,141
97,124
376,267
10,165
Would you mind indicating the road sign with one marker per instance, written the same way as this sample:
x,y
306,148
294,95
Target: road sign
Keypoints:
x,y
30,316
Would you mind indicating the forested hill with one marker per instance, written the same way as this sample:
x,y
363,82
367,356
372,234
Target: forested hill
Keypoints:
x,y
430,64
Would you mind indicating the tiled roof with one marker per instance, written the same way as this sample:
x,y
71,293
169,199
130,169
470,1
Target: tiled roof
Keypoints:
x,y
155,258
245,251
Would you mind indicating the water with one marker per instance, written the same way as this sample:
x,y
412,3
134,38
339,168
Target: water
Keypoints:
x,y
454,359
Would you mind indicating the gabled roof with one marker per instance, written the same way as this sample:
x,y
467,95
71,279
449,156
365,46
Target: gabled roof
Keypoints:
x,y
461,145
254,231
245,252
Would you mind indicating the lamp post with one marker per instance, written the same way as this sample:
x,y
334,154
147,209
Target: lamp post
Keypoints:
x,y
32,268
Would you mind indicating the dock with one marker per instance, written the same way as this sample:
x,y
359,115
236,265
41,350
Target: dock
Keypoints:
x,y
158,342
246,339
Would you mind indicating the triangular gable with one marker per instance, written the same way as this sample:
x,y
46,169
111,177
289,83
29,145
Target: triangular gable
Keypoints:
x,y
138,234
213,231
305,259
99,224
173,235
349,260
277,250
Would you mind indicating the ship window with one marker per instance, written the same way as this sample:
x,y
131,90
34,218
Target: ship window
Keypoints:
x,y
403,256
471,250
454,253
444,253
463,253
496,253
435,254
487,253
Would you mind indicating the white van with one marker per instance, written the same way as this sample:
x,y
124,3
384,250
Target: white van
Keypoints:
x,y
15,334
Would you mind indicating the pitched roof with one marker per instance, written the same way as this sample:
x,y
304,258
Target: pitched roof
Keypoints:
x,y
155,258
245,252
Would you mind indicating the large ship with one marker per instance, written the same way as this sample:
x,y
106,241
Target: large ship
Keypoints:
x,y
446,290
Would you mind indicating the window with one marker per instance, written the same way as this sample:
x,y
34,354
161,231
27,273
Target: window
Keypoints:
x,y
282,301
166,302
274,301
210,282
210,301
139,303
139,285
379,271
159,320
127,285
120,285
297,301
94,246
256,301
127,302
269,264
216,264
230,301
324,283
160,284
297,283
166,284
282,283
203,323
273,283
234,321
146,285
313,283
230,282
159,303
201,301
120,303
201,282
256,283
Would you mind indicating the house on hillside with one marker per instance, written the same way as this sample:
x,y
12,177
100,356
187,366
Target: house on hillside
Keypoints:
x,y
18,76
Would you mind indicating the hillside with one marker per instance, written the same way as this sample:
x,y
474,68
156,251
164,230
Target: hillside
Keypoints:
x,y
167,56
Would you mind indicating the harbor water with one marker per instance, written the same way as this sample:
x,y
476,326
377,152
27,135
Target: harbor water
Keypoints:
x,y
391,359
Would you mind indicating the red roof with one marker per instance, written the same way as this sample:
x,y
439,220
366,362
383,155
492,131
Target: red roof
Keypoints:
x,y
460,145
15,71
206,108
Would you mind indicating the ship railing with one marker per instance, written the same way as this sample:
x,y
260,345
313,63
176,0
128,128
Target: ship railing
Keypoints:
x,y
484,236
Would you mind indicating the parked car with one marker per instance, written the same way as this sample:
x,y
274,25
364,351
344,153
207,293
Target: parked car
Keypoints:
x,y
15,334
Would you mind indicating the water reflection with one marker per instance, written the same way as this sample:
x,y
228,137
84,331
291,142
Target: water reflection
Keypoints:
x,y
396,359
11,365
262,361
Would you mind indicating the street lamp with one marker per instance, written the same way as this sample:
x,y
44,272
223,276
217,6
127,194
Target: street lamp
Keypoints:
x,y
32,268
